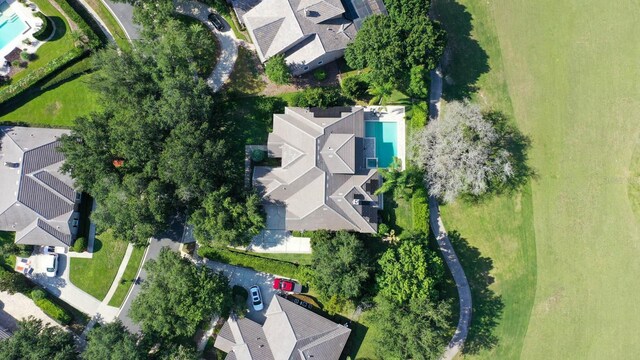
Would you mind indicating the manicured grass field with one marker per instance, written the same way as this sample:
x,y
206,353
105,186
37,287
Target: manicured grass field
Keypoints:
x,y
95,275
570,69
128,277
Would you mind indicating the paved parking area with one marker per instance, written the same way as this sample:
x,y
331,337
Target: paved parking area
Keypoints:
x,y
17,307
246,278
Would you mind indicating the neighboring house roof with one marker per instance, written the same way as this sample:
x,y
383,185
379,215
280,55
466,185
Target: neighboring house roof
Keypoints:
x,y
37,201
4,333
290,332
323,182
304,29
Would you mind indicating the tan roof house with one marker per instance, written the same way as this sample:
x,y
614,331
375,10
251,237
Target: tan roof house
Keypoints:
x,y
37,201
309,33
323,181
290,332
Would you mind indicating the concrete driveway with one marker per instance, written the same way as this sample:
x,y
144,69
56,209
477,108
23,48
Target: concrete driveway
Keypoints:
x,y
247,278
16,307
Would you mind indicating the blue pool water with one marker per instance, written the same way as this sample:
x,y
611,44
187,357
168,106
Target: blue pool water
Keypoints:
x,y
11,26
386,135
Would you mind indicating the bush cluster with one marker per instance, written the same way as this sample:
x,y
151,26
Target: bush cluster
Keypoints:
x,y
319,97
46,29
355,87
86,23
420,210
271,266
80,245
53,310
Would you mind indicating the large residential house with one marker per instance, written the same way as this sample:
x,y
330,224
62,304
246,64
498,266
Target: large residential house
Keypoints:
x,y
290,332
37,201
323,181
309,33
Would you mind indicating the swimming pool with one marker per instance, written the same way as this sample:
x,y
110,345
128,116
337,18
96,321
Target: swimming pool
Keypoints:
x,y
11,26
385,134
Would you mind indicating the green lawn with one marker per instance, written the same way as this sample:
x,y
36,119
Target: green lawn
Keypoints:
x,y
128,277
570,70
95,275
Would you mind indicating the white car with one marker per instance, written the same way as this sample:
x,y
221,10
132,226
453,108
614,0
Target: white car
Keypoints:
x,y
51,264
256,298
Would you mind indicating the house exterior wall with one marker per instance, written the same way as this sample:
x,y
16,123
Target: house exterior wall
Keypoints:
x,y
299,69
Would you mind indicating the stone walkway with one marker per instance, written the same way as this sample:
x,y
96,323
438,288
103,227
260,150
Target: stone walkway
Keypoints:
x,y
227,39
121,269
464,292
17,307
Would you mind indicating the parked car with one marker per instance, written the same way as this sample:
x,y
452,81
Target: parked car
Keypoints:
x,y
285,285
216,21
51,264
256,298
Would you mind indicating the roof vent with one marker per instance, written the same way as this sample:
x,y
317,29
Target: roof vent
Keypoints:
x,y
11,164
307,12
356,202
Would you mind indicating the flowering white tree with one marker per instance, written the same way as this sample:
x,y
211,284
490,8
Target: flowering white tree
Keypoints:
x,y
461,153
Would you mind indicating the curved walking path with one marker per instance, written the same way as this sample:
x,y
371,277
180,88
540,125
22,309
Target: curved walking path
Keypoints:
x,y
464,292
227,39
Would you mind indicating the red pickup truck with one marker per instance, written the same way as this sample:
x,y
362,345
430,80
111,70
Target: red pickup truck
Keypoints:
x,y
289,286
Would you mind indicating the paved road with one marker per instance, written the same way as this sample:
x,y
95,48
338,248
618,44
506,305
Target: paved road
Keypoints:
x,y
123,12
464,292
247,278
171,239
226,38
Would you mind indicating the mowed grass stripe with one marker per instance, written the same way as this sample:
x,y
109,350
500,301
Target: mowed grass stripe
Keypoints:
x,y
572,70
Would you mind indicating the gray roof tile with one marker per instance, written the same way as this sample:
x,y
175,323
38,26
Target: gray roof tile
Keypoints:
x,y
56,184
41,157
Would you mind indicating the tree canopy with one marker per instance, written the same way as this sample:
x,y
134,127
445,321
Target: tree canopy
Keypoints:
x,y
157,146
112,341
392,45
462,153
177,296
277,70
35,341
222,220
340,264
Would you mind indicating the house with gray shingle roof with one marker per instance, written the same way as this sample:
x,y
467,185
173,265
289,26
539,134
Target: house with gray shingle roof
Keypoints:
x,y
37,201
323,181
309,33
290,332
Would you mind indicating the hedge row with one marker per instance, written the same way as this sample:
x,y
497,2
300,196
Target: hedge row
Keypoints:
x,y
271,266
46,29
36,75
420,210
85,22
53,310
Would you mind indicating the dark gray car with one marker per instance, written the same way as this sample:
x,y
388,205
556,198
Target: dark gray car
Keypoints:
x,y
216,20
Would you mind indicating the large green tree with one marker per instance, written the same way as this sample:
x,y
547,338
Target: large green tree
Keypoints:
x,y
178,296
112,341
392,45
157,146
340,264
36,341
222,220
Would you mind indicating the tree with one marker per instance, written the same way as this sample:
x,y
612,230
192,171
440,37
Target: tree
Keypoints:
x,y
35,341
402,182
277,70
178,352
178,296
223,220
410,271
354,87
415,330
112,341
340,265
390,46
13,282
462,153
418,81
318,97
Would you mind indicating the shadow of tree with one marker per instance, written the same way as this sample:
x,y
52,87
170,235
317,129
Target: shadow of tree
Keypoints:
x,y
487,305
464,60
61,28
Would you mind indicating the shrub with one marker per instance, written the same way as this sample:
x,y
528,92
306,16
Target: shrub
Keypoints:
x,y
282,268
277,70
16,63
52,309
38,294
95,38
257,155
47,27
318,97
354,87
24,250
25,56
320,74
383,229
420,210
80,245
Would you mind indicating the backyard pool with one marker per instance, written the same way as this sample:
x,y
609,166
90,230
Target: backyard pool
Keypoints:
x,y
385,134
11,25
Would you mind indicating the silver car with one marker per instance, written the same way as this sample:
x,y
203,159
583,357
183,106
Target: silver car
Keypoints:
x,y
256,298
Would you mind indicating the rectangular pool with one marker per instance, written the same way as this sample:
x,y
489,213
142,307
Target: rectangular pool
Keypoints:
x,y
385,134
11,25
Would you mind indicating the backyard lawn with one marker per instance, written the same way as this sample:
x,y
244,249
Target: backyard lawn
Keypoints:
x,y
95,275
562,254
128,277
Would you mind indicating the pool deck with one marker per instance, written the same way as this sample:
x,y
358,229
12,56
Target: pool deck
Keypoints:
x,y
391,114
